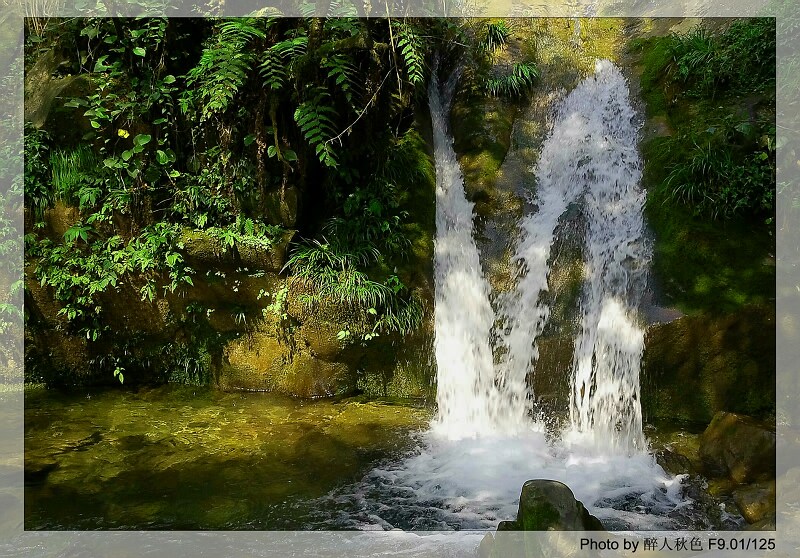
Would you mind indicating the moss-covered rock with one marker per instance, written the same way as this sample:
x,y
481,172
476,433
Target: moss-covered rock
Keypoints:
x,y
548,505
756,501
204,250
697,365
738,447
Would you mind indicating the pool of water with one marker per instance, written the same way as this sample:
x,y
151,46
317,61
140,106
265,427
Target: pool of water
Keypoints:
x,y
176,457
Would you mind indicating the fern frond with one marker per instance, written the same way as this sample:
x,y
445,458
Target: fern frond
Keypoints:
x,y
343,27
224,65
412,49
343,73
278,59
315,117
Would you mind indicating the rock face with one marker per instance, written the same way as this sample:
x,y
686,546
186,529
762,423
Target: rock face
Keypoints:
x,y
695,366
756,502
548,505
738,447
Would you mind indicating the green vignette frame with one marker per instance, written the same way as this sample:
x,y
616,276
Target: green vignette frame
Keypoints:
x,y
16,542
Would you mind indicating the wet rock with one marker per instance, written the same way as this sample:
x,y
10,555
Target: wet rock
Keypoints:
x,y
674,462
36,472
738,447
282,206
548,505
202,248
756,501
321,337
253,363
45,92
486,546
261,362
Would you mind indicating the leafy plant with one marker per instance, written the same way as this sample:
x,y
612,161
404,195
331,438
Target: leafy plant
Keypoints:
x,y
71,171
517,83
496,35
224,66
315,117
412,49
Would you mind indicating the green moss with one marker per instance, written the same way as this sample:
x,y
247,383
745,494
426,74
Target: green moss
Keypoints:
x,y
655,57
481,136
709,266
697,365
700,264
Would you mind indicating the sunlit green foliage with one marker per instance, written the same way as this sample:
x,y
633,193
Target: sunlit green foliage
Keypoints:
x,y
721,160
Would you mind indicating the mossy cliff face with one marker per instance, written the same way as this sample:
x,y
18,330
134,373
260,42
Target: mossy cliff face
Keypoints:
x,y
241,322
698,365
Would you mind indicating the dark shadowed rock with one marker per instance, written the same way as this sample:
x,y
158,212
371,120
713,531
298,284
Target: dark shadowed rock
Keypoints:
x,y
674,462
738,447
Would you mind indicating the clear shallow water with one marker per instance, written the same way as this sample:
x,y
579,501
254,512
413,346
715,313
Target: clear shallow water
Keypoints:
x,y
189,458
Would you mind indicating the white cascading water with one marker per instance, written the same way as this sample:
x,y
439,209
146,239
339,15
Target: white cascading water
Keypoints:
x,y
465,390
605,408
483,444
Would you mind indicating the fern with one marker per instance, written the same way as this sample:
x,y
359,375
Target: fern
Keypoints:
x,y
314,117
342,8
342,27
224,65
412,49
343,72
278,60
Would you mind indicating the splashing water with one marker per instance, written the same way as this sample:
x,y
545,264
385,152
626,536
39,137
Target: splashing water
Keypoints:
x,y
466,394
484,444
593,148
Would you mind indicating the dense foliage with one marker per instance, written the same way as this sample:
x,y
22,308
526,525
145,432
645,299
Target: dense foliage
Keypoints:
x,y
710,163
237,129
721,161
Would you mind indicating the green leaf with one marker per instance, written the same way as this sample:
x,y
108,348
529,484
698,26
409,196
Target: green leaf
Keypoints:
x,y
271,151
161,157
142,139
127,154
139,51
249,139
169,79
290,155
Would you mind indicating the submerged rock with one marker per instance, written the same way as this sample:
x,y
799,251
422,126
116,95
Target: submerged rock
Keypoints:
x,y
548,505
738,447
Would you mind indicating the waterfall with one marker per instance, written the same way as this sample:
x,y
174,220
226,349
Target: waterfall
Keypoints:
x,y
484,442
604,400
466,393
589,158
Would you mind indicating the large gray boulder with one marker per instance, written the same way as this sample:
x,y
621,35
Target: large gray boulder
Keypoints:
x,y
548,505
